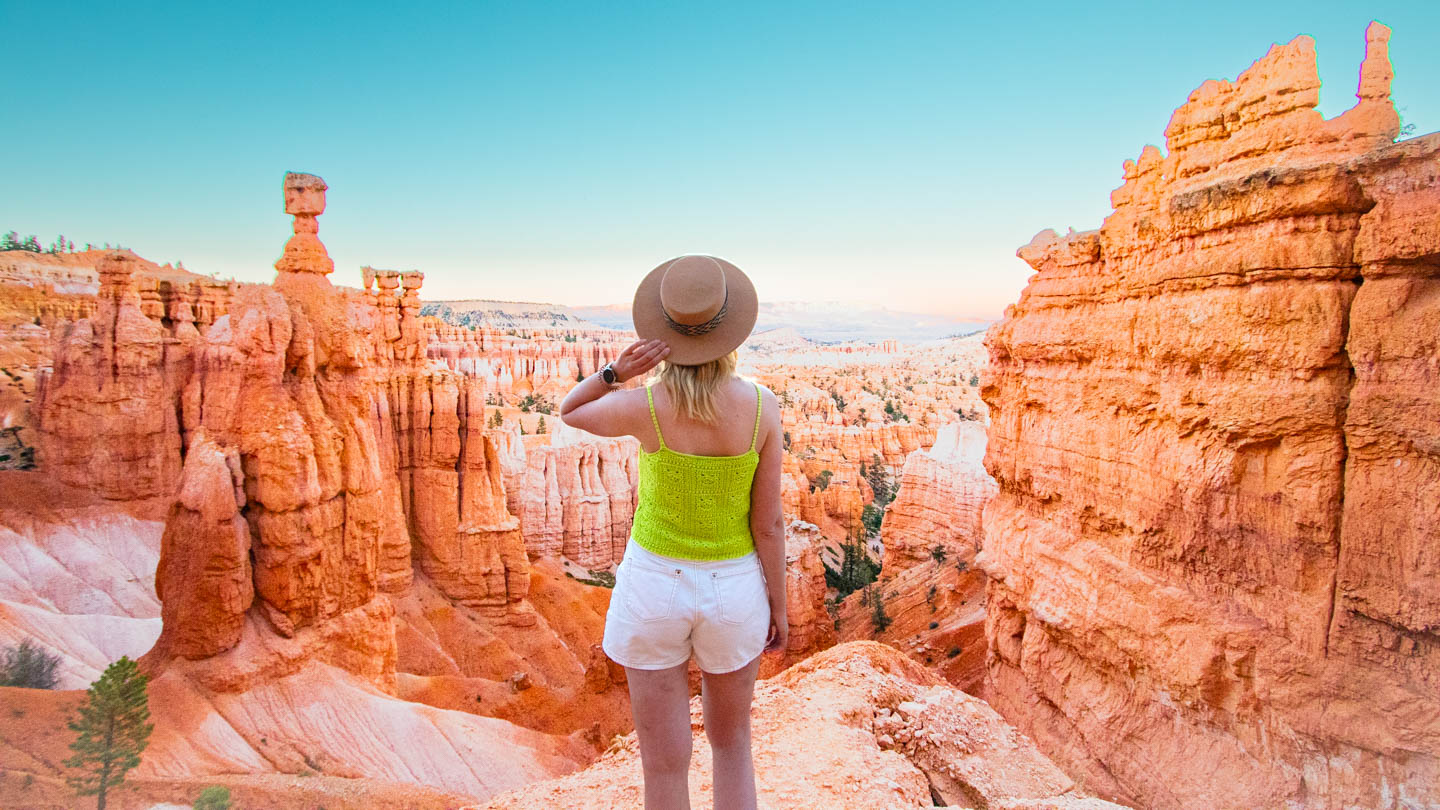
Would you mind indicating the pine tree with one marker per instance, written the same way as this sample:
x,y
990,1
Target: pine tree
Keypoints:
x,y
497,419
31,243
540,427
879,619
112,730
27,664
879,477
11,241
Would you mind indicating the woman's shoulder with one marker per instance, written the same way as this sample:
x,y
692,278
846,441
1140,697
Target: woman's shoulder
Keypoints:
x,y
753,383
768,400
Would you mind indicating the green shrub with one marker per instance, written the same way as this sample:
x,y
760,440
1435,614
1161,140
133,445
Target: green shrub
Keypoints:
x,y
599,579
213,798
28,665
821,481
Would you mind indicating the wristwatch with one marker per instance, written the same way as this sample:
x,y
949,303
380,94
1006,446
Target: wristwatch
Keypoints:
x,y
609,375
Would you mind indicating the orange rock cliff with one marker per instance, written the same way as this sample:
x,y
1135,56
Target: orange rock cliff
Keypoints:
x,y
1213,430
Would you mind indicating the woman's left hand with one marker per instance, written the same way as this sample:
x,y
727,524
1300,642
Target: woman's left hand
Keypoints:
x,y
638,358
779,635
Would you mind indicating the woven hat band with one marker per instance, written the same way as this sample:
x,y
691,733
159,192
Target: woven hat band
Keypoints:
x,y
695,330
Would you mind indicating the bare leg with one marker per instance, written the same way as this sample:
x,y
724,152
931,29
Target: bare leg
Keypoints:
x,y
660,704
726,699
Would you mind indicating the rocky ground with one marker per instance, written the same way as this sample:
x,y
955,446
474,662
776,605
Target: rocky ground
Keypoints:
x,y
856,726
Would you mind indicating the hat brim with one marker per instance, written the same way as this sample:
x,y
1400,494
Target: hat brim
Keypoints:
x,y
741,308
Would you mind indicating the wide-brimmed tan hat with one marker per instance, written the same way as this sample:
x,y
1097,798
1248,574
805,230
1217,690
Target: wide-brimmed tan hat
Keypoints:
x,y
701,306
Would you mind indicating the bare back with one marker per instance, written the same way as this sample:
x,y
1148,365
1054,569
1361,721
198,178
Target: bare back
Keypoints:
x,y
731,436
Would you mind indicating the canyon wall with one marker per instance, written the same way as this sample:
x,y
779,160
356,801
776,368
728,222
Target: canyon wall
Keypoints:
x,y
1214,433
577,498
942,492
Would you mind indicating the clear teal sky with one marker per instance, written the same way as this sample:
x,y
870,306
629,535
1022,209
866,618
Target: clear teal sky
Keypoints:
x,y
895,153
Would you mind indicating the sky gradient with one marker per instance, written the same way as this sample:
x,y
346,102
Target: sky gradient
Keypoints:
x,y
894,154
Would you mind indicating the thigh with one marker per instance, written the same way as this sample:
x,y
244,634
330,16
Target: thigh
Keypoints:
x,y
726,699
660,704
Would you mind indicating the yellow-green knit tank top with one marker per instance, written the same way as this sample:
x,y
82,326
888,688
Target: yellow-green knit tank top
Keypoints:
x,y
695,507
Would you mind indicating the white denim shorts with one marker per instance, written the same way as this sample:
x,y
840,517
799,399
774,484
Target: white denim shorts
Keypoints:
x,y
664,609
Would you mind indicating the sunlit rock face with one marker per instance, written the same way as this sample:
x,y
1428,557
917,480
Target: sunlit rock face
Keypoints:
x,y
1214,426
115,376
577,497
811,627
943,492
933,595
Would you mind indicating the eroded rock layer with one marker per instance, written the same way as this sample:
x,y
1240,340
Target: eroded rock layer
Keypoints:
x,y
942,493
1214,431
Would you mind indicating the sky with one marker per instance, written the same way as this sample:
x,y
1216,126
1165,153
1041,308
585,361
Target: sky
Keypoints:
x,y
893,154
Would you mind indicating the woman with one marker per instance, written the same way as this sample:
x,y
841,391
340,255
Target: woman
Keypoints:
x,y
704,572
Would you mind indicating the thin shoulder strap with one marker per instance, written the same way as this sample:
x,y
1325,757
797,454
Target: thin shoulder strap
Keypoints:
x,y
759,405
650,397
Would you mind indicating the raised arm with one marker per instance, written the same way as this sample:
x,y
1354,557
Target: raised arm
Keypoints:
x,y
767,520
586,406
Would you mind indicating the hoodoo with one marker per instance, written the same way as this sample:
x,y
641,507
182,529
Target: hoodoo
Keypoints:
x,y
1212,578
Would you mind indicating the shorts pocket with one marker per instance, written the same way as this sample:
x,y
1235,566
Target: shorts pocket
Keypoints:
x,y
740,595
647,593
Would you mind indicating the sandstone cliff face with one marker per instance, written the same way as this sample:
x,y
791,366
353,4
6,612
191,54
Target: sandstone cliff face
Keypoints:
x,y
1213,432
108,416
454,493
943,492
578,496
857,726
42,299
811,627
931,593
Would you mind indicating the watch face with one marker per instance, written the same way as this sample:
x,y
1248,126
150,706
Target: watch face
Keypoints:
x,y
608,373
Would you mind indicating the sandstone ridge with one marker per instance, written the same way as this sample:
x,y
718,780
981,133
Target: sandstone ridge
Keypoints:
x,y
1214,437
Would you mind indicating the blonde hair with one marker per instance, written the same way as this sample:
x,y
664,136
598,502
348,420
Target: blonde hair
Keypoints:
x,y
693,388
